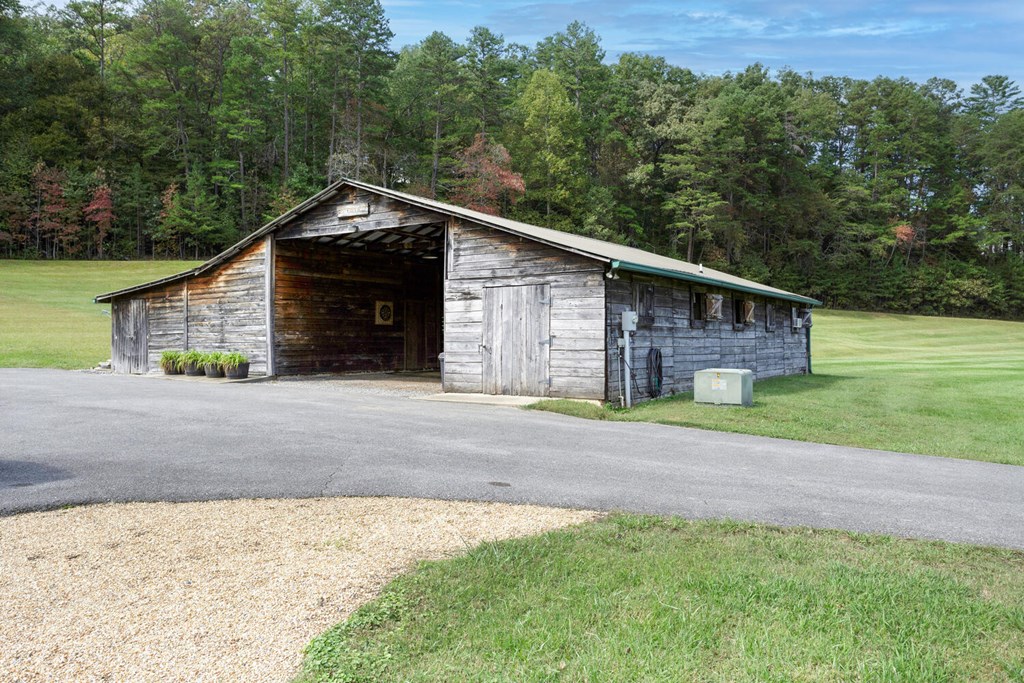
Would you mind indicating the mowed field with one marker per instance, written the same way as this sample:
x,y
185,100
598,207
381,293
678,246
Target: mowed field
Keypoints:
x,y
47,317
915,384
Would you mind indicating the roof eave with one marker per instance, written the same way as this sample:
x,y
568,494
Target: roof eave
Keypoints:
x,y
104,298
705,280
234,249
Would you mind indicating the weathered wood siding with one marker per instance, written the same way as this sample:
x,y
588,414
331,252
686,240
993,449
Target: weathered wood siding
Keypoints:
x,y
517,334
165,315
686,349
129,331
380,213
226,309
221,311
325,306
480,257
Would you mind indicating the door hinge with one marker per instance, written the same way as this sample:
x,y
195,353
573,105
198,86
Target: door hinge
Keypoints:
x,y
546,341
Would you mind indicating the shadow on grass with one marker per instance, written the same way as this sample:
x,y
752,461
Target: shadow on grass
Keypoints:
x,y
794,384
773,386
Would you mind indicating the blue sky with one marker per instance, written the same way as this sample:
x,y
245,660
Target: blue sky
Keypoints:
x,y
918,39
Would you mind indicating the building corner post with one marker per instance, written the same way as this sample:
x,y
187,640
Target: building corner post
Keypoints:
x,y
269,258
808,331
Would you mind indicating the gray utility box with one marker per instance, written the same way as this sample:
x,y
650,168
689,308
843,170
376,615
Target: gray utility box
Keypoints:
x,y
724,386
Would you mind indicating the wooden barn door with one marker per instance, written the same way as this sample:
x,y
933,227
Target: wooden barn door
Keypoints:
x,y
130,344
517,340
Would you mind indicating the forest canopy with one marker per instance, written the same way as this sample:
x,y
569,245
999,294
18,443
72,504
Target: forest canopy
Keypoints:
x,y
169,128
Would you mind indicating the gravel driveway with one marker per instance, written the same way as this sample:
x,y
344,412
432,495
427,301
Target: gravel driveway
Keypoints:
x,y
214,591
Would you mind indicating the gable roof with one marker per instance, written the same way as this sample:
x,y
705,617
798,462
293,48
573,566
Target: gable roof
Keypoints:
x,y
617,256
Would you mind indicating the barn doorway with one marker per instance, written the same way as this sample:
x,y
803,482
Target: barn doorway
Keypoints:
x,y
359,301
517,332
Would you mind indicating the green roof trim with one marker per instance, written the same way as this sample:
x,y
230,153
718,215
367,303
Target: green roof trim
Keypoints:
x,y
701,279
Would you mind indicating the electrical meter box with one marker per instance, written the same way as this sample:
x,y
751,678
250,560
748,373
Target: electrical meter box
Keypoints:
x,y
724,386
629,321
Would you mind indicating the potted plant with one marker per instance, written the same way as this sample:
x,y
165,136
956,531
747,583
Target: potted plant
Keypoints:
x,y
212,364
192,363
236,365
170,362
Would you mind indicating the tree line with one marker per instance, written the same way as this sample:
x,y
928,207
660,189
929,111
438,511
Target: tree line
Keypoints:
x,y
169,128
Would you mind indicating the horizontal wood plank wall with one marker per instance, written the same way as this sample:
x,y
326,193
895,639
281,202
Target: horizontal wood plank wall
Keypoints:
x,y
482,257
325,308
225,312
686,349
166,322
381,213
226,308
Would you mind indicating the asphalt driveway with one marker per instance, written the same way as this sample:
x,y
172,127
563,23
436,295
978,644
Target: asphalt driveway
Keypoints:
x,y
75,437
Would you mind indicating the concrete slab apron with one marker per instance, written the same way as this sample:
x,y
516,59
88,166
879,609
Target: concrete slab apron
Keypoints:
x,y
69,437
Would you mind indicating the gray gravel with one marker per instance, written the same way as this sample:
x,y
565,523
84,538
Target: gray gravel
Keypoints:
x,y
77,437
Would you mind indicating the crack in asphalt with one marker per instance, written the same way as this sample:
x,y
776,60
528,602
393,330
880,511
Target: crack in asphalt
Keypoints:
x,y
330,478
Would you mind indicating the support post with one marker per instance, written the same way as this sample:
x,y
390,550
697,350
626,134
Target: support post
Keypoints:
x,y
808,331
629,321
269,257
627,352
184,335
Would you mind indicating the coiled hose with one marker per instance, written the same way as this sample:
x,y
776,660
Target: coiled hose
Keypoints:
x,y
655,373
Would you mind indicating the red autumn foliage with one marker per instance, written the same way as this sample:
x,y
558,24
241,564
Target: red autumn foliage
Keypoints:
x,y
100,212
50,217
905,234
487,178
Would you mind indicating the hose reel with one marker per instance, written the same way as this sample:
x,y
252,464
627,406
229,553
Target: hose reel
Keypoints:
x,y
655,373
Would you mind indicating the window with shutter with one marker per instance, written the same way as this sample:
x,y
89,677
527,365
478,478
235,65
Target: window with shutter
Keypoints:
x,y
714,306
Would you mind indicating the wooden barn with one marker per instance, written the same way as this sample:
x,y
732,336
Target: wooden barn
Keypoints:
x,y
361,278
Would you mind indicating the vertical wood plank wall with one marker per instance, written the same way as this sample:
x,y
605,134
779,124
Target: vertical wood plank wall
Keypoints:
x,y
129,336
686,349
482,257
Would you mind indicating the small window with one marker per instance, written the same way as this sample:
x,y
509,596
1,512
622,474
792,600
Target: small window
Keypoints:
x,y
698,309
769,316
643,303
742,313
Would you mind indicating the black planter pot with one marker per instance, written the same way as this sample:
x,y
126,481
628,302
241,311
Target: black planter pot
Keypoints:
x,y
213,370
193,370
172,371
241,371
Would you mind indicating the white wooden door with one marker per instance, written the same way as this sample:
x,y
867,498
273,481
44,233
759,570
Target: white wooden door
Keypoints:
x,y
517,340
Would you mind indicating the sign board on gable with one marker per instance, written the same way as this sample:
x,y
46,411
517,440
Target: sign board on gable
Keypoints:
x,y
353,210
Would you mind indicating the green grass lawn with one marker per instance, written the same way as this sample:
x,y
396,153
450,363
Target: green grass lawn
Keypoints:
x,y
47,317
936,386
639,598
